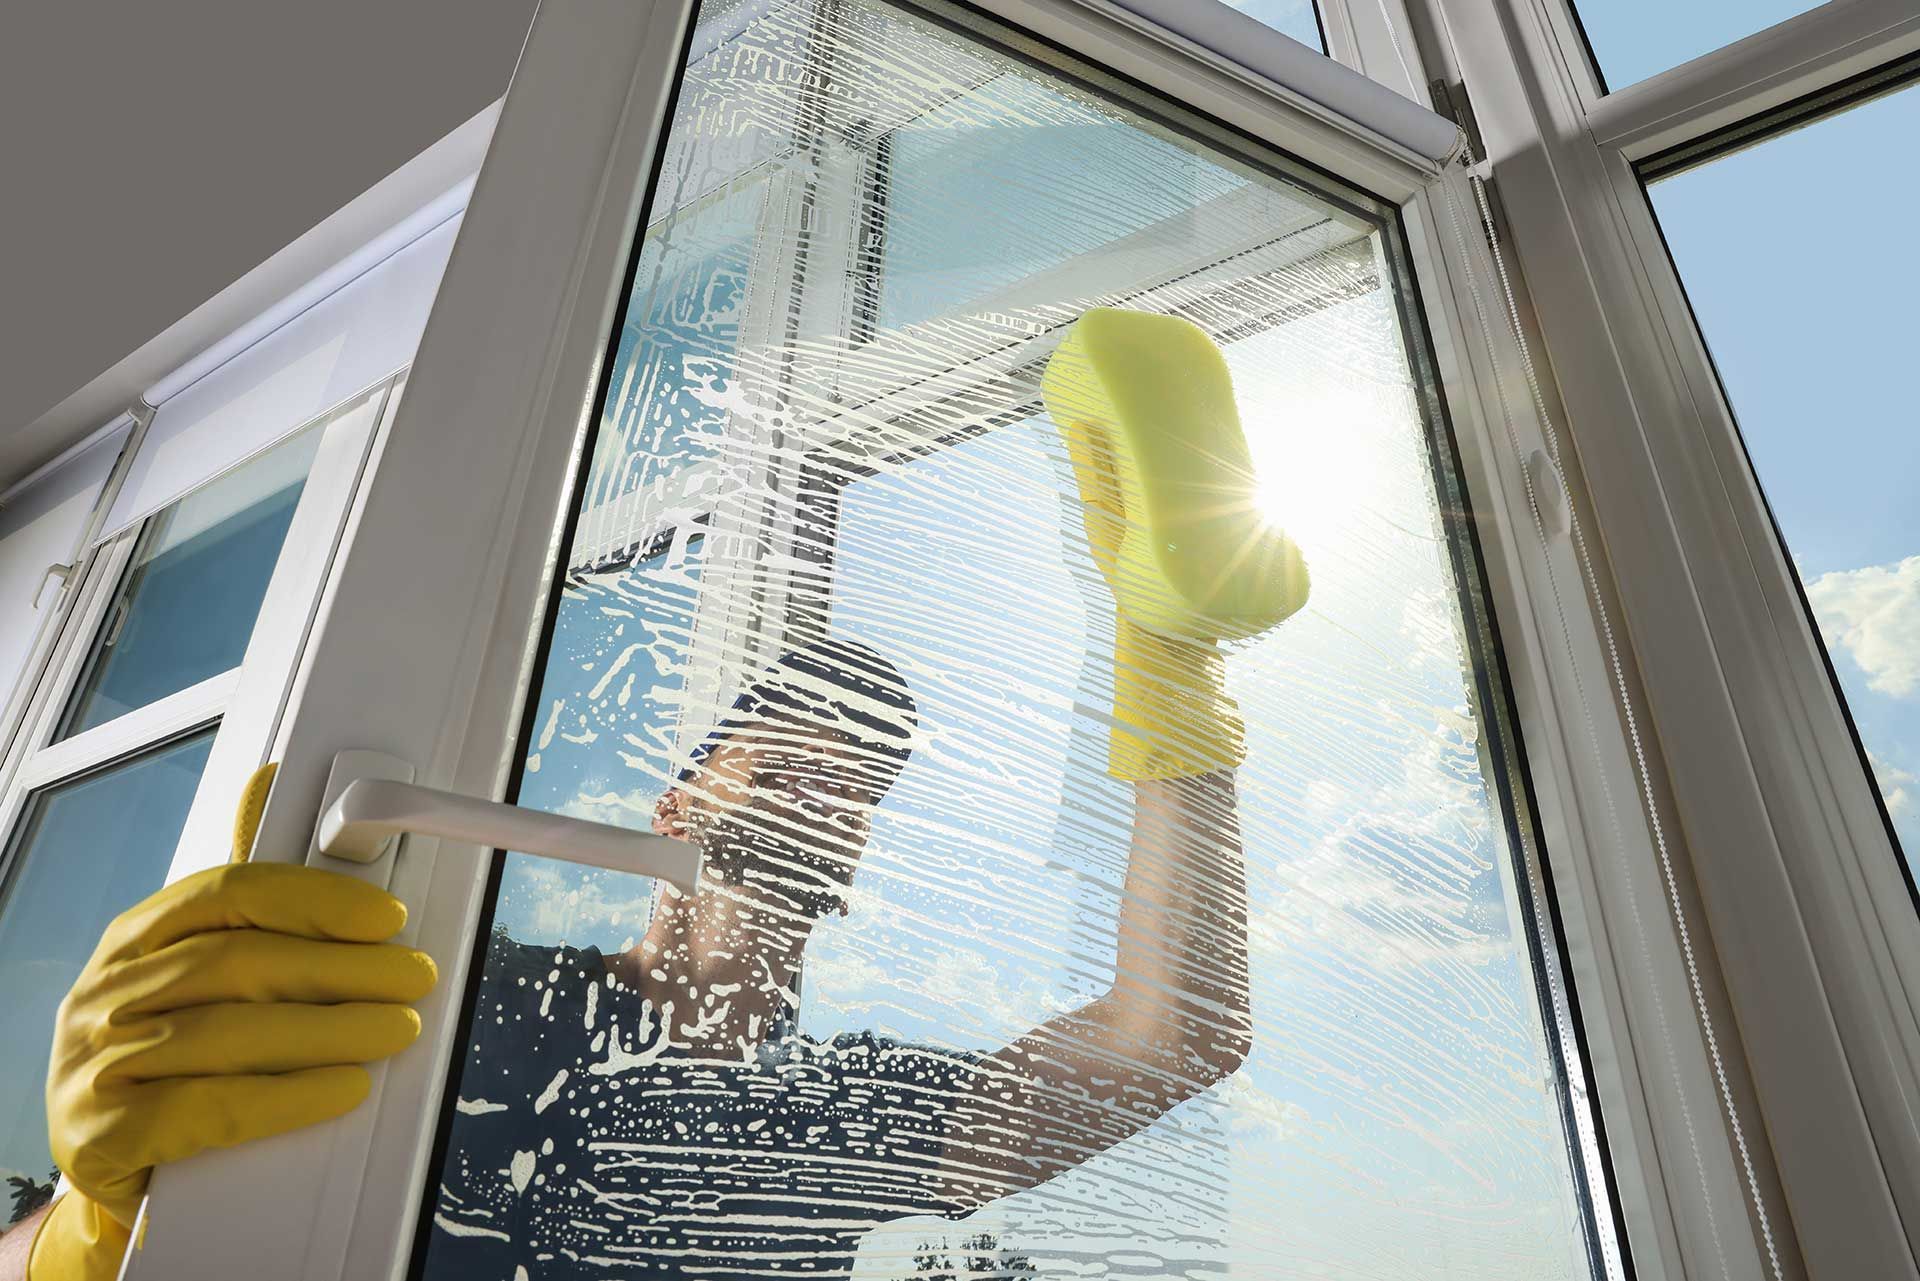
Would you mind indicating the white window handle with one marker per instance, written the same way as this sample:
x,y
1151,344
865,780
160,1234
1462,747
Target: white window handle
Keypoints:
x,y
370,811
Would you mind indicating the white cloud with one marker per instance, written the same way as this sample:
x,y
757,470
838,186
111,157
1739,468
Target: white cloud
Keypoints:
x,y
1389,881
1897,786
1874,614
557,902
1259,1117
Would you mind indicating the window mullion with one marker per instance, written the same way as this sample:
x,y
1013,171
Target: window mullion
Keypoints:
x,y
1801,979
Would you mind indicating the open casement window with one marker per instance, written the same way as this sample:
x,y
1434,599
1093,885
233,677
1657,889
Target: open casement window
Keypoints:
x,y
153,703
1724,404
737,369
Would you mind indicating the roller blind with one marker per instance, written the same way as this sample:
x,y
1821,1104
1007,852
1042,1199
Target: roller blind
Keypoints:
x,y
349,340
1249,43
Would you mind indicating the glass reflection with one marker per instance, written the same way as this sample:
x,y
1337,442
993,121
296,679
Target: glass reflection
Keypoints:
x,y
87,849
187,603
1048,929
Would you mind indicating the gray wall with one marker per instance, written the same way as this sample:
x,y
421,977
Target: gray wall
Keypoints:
x,y
153,153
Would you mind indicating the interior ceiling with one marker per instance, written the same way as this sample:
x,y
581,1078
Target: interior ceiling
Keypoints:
x,y
153,154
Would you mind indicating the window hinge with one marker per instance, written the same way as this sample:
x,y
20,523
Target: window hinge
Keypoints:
x,y
1450,100
1492,216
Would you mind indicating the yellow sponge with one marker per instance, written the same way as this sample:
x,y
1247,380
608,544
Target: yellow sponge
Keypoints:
x,y
1146,406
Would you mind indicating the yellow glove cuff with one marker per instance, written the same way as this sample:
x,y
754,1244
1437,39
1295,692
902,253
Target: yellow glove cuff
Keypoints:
x,y
77,1241
1172,716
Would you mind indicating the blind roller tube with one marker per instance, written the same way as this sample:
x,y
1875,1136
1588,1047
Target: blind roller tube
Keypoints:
x,y
363,330
1251,44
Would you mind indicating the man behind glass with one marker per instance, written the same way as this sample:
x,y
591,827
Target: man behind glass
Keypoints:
x,y
658,1113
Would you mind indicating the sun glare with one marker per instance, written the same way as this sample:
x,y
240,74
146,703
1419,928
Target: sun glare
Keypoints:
x,y
1316,466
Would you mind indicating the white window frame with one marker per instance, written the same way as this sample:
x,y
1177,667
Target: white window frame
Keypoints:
x,y
35,761
237,704
428,627
1802,908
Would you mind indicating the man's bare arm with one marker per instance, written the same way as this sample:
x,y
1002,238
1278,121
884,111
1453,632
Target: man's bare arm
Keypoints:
x,y
17,1244
1175,1021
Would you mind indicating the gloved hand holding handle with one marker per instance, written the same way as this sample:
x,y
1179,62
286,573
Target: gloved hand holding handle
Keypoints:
x,y
234,1004
1146,406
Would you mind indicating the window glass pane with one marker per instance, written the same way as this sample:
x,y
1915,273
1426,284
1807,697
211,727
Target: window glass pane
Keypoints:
x,y
956,987
1816,361
1634,39
612,673
1297,18
945,246
84,852
186,605
666,401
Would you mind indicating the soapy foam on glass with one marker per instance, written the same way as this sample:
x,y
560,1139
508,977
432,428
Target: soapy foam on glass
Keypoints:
x,y
874,461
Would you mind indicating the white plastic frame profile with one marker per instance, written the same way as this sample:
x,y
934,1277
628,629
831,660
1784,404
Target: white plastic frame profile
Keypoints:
x,y
1677,1176
422,643
284,624
1126,40
1810,923
1800,55
1653,1078
34,760
1348,99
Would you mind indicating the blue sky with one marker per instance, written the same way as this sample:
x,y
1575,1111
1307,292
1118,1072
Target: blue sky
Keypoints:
x,y
1634,39
1814,337
1290,17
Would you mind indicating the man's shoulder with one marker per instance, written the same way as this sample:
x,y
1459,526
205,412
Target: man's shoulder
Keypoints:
x,y
509,959
880,1057
536,1002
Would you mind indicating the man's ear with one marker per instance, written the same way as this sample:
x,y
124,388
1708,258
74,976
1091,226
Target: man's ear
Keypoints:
x,y
671,814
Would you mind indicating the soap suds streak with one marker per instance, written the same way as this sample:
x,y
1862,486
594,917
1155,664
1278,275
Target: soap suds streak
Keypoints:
x,y
762,474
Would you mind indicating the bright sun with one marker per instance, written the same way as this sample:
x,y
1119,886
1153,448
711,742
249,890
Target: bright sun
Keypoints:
x,y
1316,464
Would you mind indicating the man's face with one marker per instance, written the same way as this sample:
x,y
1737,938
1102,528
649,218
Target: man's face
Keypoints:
x,y
780,812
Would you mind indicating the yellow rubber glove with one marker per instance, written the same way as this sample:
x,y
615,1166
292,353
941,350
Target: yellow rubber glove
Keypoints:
x,y
1145,404
234,1004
